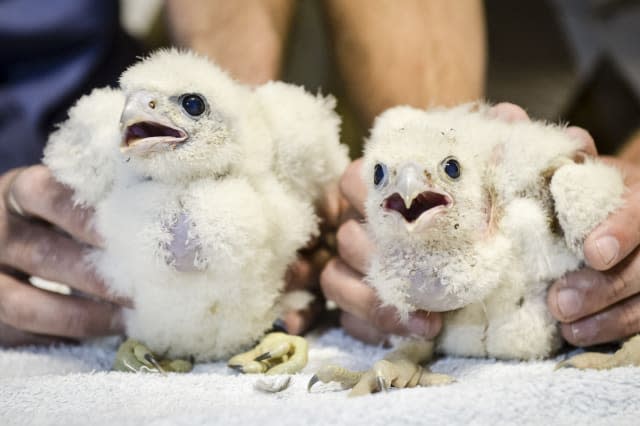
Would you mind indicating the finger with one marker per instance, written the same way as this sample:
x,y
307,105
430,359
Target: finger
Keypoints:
x,y
618,322
617,235
32,310
350,213
10,337
508,112
298,322
330,206
304,273
585,138
38,194
40,251
345,287
354,245
361,329
352,186
299,275
587,291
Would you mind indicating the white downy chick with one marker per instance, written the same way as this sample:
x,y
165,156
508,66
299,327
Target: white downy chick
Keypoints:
x,y
477,216
199,225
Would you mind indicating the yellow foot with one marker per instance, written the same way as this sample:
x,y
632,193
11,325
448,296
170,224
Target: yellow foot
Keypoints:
x,y
135,357
400,369
277,353
627,355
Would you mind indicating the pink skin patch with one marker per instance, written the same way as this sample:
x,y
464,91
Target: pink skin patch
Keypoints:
x,y
185,248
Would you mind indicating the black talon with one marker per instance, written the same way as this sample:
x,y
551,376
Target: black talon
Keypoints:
x,y
236,367
262,357
279,325
382,386
313,381
151,360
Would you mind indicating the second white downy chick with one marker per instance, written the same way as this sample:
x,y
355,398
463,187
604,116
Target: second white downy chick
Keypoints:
x,y
476,217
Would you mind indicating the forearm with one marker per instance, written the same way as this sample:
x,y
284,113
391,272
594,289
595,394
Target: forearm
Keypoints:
x,y
245,37
417,52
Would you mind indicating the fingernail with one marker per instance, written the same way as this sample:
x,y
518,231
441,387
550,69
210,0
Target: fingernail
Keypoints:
x,y
584,331
419,326
608,248
569,302
280,325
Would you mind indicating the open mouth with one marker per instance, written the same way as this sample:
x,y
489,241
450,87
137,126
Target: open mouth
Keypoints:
x,y
425,201
154,133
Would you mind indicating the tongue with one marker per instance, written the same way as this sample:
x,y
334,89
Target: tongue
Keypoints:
x,y
148,129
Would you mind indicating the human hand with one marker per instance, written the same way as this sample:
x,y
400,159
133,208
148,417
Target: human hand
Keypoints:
x,y
43,234
304,273
245,37
601,303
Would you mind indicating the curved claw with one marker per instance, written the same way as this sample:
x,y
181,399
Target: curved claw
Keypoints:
x,y
401,368
152,360
314,379
382,385
277,353
135,357
263,357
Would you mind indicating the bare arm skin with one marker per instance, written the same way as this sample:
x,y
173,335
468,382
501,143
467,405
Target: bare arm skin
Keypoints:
x,y
30,203
415,52
245,37
601,303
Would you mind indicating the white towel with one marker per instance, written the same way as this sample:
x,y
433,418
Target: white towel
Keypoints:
x,y
71,385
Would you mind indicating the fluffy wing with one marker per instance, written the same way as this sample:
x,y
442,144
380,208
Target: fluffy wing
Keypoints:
x,y
305,129
83,152
584,195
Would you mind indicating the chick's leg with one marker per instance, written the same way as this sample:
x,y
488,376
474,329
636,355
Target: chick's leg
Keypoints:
x,y
277,353
401,369
133,356
627,355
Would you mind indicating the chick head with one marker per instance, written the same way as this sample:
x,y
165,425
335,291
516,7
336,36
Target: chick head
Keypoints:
x,y
178,119
426,196
424,182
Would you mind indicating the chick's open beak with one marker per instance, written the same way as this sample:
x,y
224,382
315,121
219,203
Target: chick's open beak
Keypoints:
x,y
416,201
144,130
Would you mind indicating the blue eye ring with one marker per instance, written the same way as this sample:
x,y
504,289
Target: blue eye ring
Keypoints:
x,y
452,168
380,175
193,104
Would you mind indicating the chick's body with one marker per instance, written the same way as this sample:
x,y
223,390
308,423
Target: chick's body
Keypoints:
x,y
476,217
195,207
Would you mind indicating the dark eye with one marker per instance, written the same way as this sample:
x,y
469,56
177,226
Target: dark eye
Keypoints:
x,y
194,105
380,175
451,168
